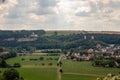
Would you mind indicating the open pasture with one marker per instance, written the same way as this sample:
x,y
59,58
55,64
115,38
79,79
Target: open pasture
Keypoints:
x,y
34,60
84,71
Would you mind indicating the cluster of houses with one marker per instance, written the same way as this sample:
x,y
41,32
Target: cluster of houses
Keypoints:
x,y
110,51
79,56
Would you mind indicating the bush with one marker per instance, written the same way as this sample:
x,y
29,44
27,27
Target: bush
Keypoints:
x,y
50,64
3,63
41,58
104,63
43,64
11,74
61,71
32,59
16,65
23,59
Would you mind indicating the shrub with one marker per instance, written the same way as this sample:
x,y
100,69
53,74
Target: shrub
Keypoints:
x,y
43,64
41,58
23,59
50,64
16,65
11,74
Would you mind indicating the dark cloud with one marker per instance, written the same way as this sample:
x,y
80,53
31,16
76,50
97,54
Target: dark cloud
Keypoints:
x,y
114,4
2,1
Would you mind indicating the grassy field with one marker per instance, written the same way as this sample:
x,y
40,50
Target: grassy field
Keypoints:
x,y
34,70
38,73
87,69
49,33
84,71
36,63
77,77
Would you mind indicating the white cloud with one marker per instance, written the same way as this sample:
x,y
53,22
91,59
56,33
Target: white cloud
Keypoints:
x,y
60,14
40,18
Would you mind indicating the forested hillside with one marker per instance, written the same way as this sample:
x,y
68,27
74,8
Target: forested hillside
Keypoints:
x,y
41,39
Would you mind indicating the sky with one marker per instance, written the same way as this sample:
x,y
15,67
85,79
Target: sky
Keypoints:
x,y
89,15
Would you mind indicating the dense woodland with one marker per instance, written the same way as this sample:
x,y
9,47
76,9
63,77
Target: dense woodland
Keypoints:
x,y
55,41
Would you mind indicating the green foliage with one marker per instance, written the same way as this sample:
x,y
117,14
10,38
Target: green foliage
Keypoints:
x,y
31,49
41,58
16,65
11,74
111,62
56,41
43,64
3,63
50,64
13,52
55,33
51,51
1,49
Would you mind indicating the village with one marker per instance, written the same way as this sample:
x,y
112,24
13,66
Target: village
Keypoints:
x,y
111,51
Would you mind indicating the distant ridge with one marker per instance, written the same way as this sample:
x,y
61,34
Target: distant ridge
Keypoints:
x,y
84,32
73,31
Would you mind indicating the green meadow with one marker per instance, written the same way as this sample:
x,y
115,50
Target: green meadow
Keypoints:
x,y
77,77
84,71
38,73
87,68
32,63
72,70
34,70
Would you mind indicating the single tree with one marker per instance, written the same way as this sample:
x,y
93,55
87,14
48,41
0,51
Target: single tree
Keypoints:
x,y
3,63
11,74
16,65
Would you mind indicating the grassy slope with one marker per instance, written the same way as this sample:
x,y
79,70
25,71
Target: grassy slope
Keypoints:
x,y
87,68
77,77
33,70
38,73
32,63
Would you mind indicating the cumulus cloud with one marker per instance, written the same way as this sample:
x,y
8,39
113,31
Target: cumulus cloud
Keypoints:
x,y
60,14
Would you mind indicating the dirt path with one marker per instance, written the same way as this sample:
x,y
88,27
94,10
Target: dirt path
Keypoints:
x,y
59,74
58,71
